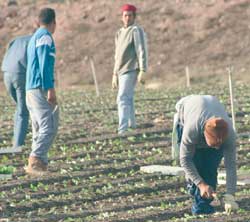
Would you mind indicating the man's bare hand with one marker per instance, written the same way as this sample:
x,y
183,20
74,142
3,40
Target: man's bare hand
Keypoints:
x,y
114,81
141,77
206,191
51,96
230,203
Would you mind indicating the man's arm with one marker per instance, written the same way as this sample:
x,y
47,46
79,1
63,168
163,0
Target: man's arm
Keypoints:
x,y
186,161
189,140
115,71
46,58
51,96
5,58
140,43
229,151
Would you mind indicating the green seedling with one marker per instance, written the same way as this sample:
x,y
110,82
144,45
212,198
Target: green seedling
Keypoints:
x,y
7,169
33,187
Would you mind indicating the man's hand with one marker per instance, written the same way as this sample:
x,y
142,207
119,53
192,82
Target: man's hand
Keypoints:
x,y
51,96
229,203
114,81
141,77
206,191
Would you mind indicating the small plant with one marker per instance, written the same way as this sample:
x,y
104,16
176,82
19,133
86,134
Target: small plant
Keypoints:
x,y
7,169
33,187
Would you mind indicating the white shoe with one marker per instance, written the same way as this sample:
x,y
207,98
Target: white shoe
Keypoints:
x,y
11,150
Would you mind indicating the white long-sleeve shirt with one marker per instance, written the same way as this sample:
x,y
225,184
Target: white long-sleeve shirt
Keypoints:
x,y
130,50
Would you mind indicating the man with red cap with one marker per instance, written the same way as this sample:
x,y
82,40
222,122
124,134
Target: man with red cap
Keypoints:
x,y
205,136
131,62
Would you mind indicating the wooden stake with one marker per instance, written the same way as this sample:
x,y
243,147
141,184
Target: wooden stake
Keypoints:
x,y
187,76
230,69
94,76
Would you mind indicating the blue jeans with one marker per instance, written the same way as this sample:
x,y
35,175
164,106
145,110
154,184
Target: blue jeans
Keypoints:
x,y
45,119
15,85
125,101
206,162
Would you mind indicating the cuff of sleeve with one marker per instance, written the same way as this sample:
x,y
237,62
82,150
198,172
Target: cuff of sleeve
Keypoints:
x,y
196,182
51,86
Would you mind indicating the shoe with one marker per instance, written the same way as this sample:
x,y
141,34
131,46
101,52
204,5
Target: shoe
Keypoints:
x,y
202,209
132,126
11,150
36,167
122,132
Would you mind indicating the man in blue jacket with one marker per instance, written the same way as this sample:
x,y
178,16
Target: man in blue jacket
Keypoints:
x,y
40,92
14,69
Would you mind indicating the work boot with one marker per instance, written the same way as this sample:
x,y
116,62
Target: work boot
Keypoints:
x,y
36,167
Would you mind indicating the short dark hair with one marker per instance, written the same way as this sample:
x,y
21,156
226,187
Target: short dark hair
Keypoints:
x,y
47,16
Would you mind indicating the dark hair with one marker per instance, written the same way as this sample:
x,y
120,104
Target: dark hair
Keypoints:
x,y
47,16
12,2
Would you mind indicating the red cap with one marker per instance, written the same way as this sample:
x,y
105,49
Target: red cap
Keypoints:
x,y
128,7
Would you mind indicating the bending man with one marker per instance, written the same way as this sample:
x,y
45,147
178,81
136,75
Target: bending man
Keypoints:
x,y
207,136
14,69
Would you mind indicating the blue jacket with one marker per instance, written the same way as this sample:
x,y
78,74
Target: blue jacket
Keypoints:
x,y
41,59
15,58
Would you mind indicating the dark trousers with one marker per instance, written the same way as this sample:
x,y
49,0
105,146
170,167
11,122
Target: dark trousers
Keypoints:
x,y
207,162
15,85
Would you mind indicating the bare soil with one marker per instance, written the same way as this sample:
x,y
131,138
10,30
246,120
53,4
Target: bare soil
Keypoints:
x,y
94,174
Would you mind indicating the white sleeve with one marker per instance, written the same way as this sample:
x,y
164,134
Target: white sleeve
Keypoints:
x,y
140,43
115,57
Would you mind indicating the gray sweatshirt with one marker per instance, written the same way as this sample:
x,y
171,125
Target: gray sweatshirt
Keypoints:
x,y
195,110
15,58
130,50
